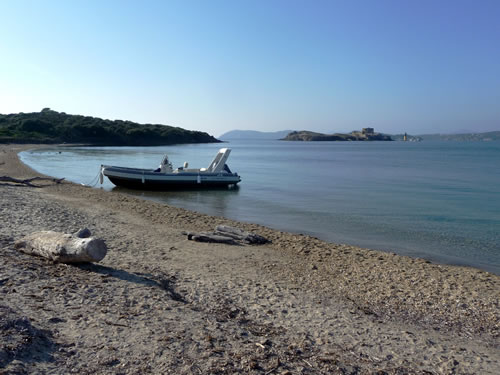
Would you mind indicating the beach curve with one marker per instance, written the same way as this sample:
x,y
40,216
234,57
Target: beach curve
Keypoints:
x,y
161,304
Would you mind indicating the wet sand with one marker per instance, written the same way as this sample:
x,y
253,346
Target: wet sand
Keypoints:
x,y
159,303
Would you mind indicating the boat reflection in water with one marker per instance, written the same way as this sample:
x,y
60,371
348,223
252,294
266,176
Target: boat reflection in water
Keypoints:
x,y
212,200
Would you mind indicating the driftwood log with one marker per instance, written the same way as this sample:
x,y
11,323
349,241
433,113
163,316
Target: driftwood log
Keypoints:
x,y
29,181
240,235
210,237
228,235
63,247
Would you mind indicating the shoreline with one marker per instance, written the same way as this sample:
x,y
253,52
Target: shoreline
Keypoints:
x,y
325,298
429,250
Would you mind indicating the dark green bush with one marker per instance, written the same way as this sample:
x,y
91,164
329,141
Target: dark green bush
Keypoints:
x,y
49,126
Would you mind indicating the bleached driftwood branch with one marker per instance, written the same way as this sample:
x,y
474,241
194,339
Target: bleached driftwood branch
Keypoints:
x,y
63,247
240,235
210,237
29,181
228,235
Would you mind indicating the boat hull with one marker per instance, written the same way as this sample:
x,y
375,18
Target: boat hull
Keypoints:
x,y
149,180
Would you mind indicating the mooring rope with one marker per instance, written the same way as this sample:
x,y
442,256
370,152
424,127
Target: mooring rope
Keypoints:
x,y
95,180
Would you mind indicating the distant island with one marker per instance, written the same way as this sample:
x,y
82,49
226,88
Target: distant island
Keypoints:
x,y
49,126
464,137
366,134
406,137
254,134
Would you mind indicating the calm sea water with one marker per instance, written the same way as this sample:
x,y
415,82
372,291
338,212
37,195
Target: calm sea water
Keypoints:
x,y
436,200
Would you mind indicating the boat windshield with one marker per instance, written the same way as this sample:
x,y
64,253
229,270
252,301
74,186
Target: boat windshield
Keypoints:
x,y
165,165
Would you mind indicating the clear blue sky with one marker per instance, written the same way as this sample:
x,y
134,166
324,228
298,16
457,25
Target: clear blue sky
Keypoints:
x,y
418,66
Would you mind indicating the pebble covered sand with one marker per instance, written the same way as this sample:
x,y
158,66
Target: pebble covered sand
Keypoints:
x,y
161,304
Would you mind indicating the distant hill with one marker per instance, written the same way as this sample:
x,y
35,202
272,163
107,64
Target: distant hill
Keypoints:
x,y
487,136
305,135
253,134
50,126
363,135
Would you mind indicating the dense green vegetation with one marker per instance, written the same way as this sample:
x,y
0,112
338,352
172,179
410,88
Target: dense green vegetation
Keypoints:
x,y
50,126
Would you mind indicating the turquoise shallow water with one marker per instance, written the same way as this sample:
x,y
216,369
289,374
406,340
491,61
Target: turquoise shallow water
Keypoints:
x,y
436,200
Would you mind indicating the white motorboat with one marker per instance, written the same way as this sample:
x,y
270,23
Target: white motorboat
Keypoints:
x,y
217,174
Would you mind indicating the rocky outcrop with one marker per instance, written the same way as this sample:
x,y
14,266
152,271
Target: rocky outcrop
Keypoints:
x,y
305,135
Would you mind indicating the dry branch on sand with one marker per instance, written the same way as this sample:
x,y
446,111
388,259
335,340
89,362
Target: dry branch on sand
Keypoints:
x,y
228,235
240,235
28,181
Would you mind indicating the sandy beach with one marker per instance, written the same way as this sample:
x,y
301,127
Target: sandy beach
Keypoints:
x,y
161,304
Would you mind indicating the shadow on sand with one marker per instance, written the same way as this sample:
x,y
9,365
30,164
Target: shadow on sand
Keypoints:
x,y
161,281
